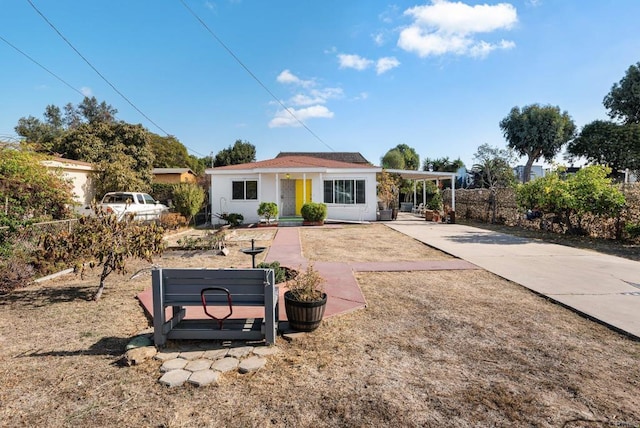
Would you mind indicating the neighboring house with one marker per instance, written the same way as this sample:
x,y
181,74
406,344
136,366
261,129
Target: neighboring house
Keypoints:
x,y
348,189
173,175
536,172
79,173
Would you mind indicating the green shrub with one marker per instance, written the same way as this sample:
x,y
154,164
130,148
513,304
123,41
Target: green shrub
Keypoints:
x,y
435,203
188,199
633,229
314,211
281,273
268,210
233,219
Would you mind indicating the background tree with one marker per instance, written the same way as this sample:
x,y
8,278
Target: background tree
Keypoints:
x,y
411,157
188,199
607,143
168,152
240,152
623,101
29,191
442,164
393,159
537,132
616,144
493,171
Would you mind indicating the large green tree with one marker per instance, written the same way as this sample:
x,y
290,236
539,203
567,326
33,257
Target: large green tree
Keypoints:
x,y
169,152
607,143
393,159
537,132
240,152
623,101
401,156
615,144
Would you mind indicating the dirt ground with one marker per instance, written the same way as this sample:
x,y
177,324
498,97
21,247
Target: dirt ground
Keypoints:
x,y
449,348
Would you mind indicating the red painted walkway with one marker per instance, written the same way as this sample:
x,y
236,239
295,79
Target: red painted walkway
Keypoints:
x,y
344,293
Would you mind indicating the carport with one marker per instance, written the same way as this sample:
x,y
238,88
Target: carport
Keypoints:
x,y
431,176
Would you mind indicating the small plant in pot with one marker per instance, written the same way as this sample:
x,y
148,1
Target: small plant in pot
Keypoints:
x,y
305,300
313,213
268,210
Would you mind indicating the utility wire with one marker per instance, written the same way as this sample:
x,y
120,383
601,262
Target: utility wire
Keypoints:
x,y
41,66
235,57
95,69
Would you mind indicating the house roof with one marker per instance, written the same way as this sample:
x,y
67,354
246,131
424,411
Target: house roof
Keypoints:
x,y
350,157
171,171
293,163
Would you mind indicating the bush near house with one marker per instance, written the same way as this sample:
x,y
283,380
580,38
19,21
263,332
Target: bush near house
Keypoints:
x,y
314,211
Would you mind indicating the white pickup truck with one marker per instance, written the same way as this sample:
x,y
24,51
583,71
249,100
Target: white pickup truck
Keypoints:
x,y
141,205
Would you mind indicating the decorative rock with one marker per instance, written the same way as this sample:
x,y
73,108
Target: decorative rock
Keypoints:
x,y
197,365
225,364
291,336
136,356
139,342
192,355
164,356
175,377
175,364
264,351
204,377
239,352
216,354
252,364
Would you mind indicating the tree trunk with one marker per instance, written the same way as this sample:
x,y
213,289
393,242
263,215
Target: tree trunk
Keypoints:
x,y
527,169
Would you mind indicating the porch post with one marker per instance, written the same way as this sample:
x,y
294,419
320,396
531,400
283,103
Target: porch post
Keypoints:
x,y
304,188
278,195
453,192
415,193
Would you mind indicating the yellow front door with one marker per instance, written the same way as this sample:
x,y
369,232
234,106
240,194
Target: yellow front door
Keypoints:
x,y
303,193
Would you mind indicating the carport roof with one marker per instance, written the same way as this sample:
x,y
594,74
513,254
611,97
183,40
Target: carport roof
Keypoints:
x,y
423,175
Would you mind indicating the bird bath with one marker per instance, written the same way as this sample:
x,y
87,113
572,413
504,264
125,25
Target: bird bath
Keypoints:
x,y
253,252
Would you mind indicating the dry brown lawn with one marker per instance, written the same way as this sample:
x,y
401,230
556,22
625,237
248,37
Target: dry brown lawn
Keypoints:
x,y
453,348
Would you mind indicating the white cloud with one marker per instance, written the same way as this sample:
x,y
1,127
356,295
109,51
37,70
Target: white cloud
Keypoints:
x,y
308,101
387,63
87,92
288,77
452,27
354,61
283,118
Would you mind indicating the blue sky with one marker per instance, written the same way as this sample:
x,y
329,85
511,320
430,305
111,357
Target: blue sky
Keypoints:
x,y
362,75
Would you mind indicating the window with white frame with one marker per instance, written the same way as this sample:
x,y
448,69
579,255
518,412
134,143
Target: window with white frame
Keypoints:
x,y
244,190
344,192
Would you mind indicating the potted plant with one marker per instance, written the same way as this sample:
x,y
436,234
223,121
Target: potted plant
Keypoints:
x,y
268,210
313,213
305,300
388,194
434,207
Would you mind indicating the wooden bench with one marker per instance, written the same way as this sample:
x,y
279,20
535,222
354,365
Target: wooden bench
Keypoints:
x,y
179,288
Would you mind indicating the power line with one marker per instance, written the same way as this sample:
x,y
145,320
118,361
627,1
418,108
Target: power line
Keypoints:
x,y
41,66
235,57
95,69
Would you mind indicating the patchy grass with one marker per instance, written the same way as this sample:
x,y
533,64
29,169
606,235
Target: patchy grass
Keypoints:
x,y
453,348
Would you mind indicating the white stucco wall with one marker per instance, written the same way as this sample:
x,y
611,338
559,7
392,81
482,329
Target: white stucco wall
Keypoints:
x,y
269,191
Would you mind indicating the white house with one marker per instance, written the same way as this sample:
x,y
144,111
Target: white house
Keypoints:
x,y
348,189
79,174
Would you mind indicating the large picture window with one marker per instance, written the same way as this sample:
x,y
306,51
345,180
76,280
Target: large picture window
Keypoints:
x,y
244,190
344,192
